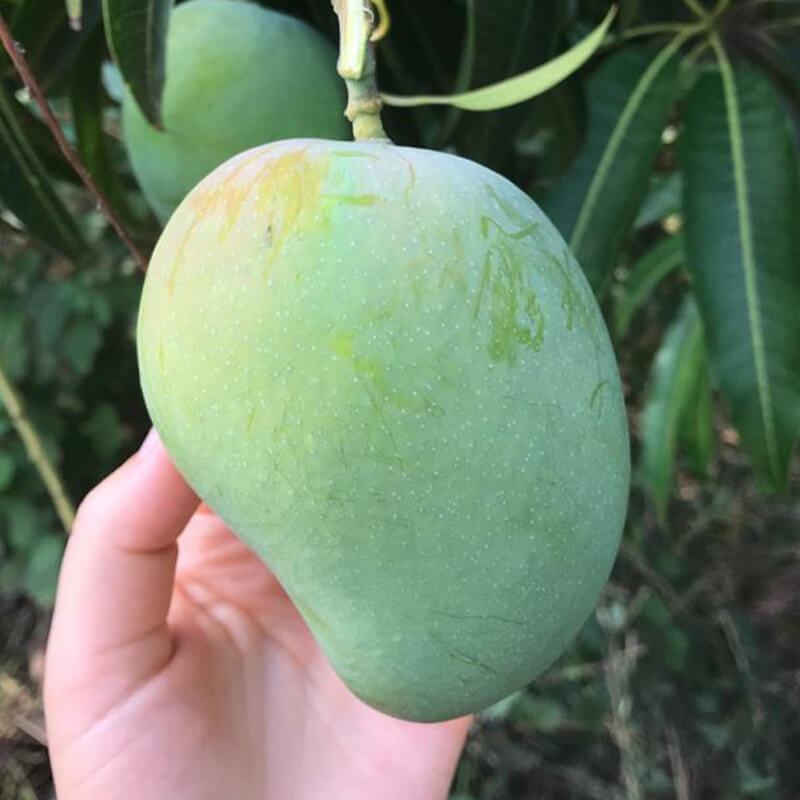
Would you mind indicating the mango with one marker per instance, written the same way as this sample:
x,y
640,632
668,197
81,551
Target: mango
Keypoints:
x,y
385,370
237,76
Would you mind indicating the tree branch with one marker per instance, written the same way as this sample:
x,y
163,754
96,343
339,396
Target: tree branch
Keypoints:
x,y
24,71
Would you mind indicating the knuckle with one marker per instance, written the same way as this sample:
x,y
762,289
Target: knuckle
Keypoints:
x,y
91,509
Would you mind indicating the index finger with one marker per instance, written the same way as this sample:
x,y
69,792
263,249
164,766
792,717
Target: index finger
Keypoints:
x,y
118,571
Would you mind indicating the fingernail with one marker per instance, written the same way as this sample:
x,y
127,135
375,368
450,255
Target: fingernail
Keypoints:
x,y
150,444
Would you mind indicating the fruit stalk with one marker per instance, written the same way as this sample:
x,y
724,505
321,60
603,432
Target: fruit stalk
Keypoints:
x,y
356,66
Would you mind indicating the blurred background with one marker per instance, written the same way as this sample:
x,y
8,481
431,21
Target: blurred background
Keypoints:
x,y
670,164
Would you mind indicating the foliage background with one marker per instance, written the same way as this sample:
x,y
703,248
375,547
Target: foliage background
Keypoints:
x,y
686,683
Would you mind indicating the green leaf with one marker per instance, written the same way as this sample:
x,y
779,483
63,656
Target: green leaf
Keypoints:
x,y
696,434
136,31
14,344
742,206
519,88
767,54
26,188
553,132
41,574
8,466
61,53
663,198
645,275
50,44
425,30
82,340
22,523
105,431
542,713
34,24
86,98
630,99
504,38
500,710
679,359
12,571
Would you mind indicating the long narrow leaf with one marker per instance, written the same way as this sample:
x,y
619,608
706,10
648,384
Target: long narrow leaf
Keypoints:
x,y
26,188
466,69
519,88
504,38
630,99
696,433
86,97
137,37
742,206
679,361
50,44
553,131
34,23
510,37
662,199
645,275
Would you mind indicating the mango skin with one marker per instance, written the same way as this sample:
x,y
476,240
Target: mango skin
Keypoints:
x,y
238,75
383,368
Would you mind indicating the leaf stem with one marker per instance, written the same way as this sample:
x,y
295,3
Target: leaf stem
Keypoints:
x,y
697,8
356,65
36,452
778,25
694,54
24,71
75,14
665,27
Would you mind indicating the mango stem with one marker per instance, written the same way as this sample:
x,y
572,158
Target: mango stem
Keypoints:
x,y
356,66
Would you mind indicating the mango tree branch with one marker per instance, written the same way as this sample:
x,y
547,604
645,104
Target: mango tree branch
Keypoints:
x,y
36,452
24,71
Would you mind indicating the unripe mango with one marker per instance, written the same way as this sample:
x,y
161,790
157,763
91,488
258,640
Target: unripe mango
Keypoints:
x,y
384,370
237,76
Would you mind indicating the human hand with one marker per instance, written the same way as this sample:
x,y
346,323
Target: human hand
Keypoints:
x,y
178,669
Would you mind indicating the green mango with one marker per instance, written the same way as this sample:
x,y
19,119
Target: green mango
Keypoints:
x,y
384,370
232,83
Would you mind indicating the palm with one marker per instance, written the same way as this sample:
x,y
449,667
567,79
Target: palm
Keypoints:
x,y
244,704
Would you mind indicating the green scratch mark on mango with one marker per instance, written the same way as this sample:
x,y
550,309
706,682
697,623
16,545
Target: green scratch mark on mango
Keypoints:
x,y
528,230
596,394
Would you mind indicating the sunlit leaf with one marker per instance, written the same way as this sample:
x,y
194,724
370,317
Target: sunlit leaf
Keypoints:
x,y
521,87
